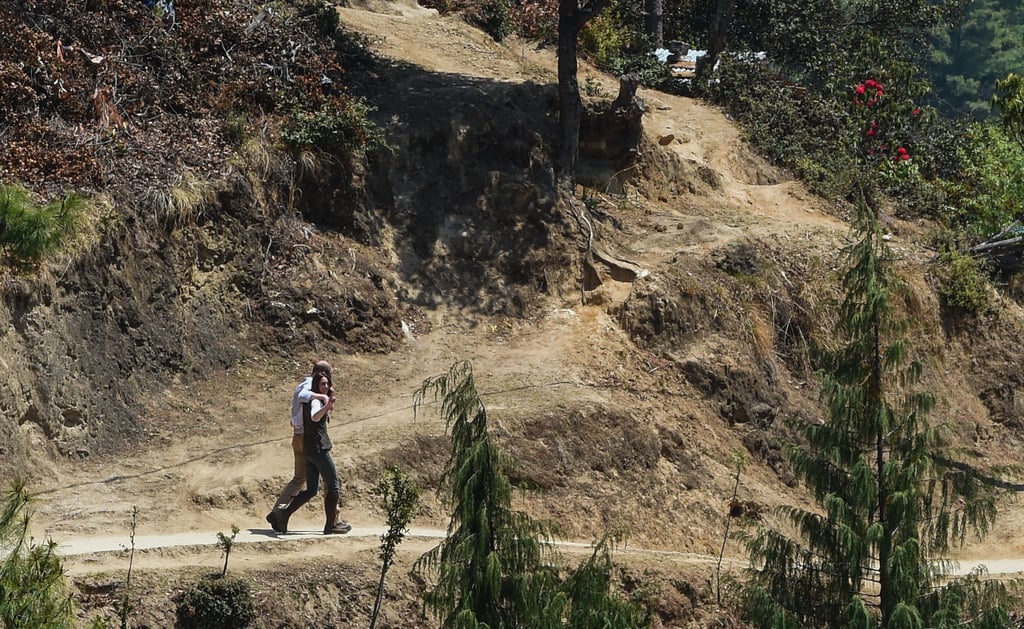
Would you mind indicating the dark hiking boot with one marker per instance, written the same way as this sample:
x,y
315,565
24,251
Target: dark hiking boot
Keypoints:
x,y
339,528
334,525
278,519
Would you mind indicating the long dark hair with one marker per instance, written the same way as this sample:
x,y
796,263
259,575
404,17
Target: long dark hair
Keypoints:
x,y
316,381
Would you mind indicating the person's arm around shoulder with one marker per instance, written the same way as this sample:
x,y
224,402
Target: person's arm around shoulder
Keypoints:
x,y
305,393
318,410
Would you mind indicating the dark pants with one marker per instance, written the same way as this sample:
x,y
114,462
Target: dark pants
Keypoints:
x,y
319,464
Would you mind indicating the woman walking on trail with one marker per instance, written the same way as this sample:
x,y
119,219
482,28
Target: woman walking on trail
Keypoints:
x,y
316,445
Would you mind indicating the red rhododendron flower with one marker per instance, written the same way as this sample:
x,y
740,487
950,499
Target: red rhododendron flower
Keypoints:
x,y
917,111
871,85
860,89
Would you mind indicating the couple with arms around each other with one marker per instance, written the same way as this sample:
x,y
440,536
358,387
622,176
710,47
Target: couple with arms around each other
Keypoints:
x,y
312,404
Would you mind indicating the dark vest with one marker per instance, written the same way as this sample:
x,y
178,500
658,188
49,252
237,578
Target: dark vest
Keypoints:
x,y
314,434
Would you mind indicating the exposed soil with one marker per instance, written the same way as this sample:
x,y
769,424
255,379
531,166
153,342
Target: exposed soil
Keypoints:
x,y
624,379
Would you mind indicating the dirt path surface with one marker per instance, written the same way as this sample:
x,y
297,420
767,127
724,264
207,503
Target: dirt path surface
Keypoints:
x,y
89,554
218,451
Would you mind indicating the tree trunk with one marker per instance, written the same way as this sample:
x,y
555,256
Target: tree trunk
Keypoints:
x,y
571,18
570,107
716,40
653,22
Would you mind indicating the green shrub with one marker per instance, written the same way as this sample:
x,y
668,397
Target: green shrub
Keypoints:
x,y
603,38
225,603
496,19
965,284
29,231
985,195
340,126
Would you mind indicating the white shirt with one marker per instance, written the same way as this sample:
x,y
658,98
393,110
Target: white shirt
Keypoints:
x,y
303,393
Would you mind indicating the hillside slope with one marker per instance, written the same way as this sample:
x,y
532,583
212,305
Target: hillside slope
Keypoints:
x,y
625,356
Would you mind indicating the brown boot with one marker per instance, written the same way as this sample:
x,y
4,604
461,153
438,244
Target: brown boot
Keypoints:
x,y
333,526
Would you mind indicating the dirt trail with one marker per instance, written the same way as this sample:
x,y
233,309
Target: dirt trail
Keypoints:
x,y
89,554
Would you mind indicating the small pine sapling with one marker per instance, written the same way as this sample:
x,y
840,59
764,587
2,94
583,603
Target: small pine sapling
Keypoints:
x,y
401,497
226,543
124,607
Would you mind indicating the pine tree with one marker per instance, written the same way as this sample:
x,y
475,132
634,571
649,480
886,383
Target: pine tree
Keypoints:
x,y
400,496
29,231
496,569
492,557
982,47
589,599
891,499
33,590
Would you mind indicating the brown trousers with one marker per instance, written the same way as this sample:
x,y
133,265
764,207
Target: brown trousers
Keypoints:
x,y
298,481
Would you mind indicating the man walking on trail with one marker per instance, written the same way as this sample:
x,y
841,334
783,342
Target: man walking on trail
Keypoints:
x,y
303,395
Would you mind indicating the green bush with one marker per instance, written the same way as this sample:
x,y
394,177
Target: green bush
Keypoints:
x,y
496,19
603,39
339,126
965,284
29,231
225,603
986,194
